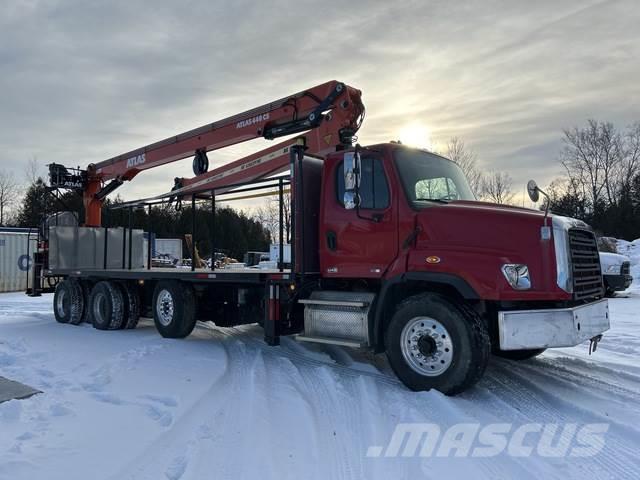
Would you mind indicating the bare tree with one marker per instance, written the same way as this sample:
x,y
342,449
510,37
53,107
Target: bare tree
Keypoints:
x,y
497,187
33,170
466,159
269,216
8,194
593,156
630,165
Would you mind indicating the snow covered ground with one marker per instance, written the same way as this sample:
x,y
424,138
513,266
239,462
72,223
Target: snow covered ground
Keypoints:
x,y
221,404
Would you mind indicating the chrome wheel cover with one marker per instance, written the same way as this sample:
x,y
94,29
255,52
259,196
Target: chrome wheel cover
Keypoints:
x,y
165,308
426,346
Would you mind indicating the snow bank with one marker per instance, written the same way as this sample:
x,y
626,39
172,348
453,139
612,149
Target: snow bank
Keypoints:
x,y
632,250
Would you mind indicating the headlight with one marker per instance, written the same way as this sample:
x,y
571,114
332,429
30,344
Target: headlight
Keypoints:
x,y
614,268
517,274
561,245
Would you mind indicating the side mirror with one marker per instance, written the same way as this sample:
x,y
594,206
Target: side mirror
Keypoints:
x,y
533,191
351,180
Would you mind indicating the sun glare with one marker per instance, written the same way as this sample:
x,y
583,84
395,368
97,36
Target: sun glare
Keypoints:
x,y
416,135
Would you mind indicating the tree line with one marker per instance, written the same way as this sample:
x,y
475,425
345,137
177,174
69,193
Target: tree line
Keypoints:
x,y
233,232
601,183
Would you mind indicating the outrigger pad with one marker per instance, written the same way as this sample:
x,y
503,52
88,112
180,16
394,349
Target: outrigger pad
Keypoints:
x,y
10,390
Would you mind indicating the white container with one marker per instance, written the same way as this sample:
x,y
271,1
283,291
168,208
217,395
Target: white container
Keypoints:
x,y
169,246
14,261
274,252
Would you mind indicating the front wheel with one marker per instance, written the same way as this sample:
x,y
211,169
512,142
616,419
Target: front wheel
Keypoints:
x,y
433,343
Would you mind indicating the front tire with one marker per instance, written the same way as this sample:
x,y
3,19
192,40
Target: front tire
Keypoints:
x,y
174,309
434,343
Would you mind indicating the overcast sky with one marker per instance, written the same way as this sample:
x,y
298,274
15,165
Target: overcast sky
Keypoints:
x,y
84,80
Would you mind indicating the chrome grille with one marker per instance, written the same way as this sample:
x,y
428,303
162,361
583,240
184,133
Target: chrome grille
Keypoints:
x,y
585,264
626,268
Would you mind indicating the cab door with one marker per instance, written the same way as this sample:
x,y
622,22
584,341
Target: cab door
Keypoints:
x,y
359,243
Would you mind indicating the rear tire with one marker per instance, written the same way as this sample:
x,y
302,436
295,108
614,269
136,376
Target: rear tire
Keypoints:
x,y
106,306
434,343
68,302
85,285
519,354
131,305
174,309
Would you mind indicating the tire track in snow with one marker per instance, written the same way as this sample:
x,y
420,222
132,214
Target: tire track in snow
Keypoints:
x,y
207,415
322,378
564,384
523,397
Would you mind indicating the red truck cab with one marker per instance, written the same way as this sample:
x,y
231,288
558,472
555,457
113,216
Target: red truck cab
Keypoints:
x,y
412,235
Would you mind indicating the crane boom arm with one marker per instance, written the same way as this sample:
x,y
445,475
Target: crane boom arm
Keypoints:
x,y
330,112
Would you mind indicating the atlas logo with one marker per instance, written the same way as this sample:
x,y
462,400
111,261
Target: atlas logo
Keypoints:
x,y
252,120
135,161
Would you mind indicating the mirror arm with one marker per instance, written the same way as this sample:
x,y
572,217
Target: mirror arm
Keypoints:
x,y
546,208
376,218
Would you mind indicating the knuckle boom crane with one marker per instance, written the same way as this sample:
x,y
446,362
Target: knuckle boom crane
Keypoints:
x,y
330,113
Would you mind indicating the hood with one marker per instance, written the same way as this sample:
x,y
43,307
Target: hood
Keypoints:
x,y
481,225
474,240
475,204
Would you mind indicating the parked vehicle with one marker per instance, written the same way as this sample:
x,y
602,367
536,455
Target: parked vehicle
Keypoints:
x,y
254,258
390,251
616,272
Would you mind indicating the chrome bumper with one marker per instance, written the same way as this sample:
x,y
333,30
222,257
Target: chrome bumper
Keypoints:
x,y
560,327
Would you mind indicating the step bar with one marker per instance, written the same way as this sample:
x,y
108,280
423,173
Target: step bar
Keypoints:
x,y
343,342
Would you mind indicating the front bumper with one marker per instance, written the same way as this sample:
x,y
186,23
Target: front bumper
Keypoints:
x,y
617,283
558,327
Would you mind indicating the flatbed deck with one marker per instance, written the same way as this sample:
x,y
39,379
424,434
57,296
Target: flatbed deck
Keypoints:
x,y
221,275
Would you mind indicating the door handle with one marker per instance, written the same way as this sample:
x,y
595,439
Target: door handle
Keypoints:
x,y
332,241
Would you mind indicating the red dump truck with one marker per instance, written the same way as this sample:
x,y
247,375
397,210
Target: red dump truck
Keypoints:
x,y
390,250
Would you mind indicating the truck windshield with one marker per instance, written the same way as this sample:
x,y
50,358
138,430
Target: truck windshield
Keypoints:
x,y
427,177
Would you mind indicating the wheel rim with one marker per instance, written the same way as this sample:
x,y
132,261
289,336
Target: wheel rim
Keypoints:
x,y
99,307
164,308
62,304
426,346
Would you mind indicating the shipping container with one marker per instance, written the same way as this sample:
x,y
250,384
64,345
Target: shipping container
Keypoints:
x,y
16,260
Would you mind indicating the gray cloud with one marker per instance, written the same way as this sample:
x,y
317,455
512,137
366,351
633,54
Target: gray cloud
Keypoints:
x,y
83,81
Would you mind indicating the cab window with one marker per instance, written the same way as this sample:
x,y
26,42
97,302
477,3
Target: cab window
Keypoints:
x,y
374,189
